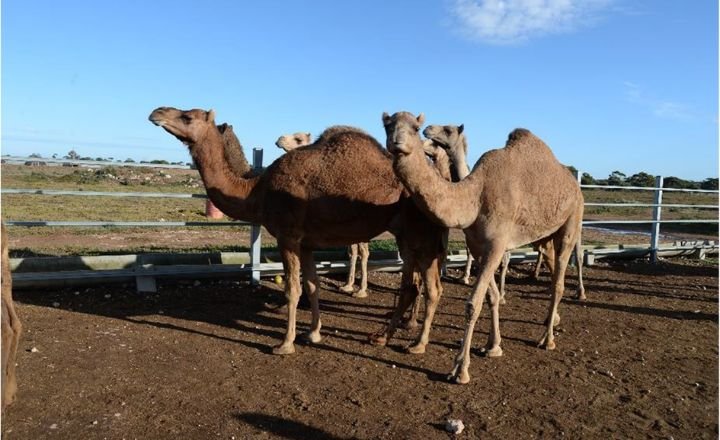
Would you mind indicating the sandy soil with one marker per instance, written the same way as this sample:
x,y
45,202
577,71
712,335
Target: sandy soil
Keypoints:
x,y
638,359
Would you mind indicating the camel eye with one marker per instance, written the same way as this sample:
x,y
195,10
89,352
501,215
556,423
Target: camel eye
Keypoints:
x,y
186,119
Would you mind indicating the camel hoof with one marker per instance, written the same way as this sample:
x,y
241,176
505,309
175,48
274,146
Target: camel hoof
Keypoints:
x,y
360,294
312,337
580,296
416,349
460,379
280,309
378,339
492,352
348,288
466,281
284,349
502,301
410,324
547,345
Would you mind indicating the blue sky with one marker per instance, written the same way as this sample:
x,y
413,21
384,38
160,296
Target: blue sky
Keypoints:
x,y
608,84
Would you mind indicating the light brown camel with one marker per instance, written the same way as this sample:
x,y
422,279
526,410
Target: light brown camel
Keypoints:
x,y
452,139
514,195
289,142
11,328
306,200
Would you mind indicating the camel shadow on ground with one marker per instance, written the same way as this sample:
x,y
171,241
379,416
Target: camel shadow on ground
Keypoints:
x,y
240,308
284,428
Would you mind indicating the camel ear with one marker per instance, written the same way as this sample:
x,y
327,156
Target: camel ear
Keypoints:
x,y
421,118
385,118
309,135
210,117
461,128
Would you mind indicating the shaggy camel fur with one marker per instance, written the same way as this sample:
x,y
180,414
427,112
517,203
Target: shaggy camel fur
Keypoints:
x,y
338,191
452,139
289,142
514,195
11,328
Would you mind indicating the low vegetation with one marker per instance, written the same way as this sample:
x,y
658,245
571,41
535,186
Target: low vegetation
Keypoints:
x,y
147,179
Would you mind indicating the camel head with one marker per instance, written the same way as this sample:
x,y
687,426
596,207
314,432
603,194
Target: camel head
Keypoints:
x,y
402,130
452,139
189,126
290,142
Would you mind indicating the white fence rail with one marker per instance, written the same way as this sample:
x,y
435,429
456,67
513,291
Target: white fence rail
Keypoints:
x,y
145,275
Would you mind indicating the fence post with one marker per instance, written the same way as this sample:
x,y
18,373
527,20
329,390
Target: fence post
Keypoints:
x,y
255,231
657,210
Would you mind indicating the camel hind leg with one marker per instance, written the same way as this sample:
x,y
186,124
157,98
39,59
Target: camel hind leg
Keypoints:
x,y
408,293
11,329
579,257
563,242
364,250
311,284
433,292
350,284
412,321
468,268
503,273
291,265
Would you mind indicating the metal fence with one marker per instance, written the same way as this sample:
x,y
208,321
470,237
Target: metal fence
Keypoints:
x,y
145,272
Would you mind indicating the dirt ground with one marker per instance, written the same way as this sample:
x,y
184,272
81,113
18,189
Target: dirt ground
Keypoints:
x,y
638,359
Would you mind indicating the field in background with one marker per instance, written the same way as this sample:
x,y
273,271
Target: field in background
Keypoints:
x,y
75,241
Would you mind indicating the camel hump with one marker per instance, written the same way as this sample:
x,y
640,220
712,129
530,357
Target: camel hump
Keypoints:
x,y
518,135
335,130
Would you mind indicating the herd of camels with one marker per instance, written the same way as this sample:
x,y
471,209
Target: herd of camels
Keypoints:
x,y
344,189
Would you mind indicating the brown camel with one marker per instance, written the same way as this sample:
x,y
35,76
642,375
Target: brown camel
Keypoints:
x,y
11,328
452,139
337,191
289,142
514,195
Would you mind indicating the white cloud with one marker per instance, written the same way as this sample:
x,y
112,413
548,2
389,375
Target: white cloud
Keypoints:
x,y
514,21
659,107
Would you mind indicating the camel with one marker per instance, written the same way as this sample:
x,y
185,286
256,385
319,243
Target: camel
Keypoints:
x,y
337,191
11,328
514,195
289,142
452,139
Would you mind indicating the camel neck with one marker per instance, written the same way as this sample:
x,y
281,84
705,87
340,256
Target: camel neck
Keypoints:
x,y
226,186
454,205
460,168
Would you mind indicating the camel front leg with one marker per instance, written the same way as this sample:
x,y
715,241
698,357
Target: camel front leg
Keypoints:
x,y
291,266
311,283
408,293
350,285
488,265
433,292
